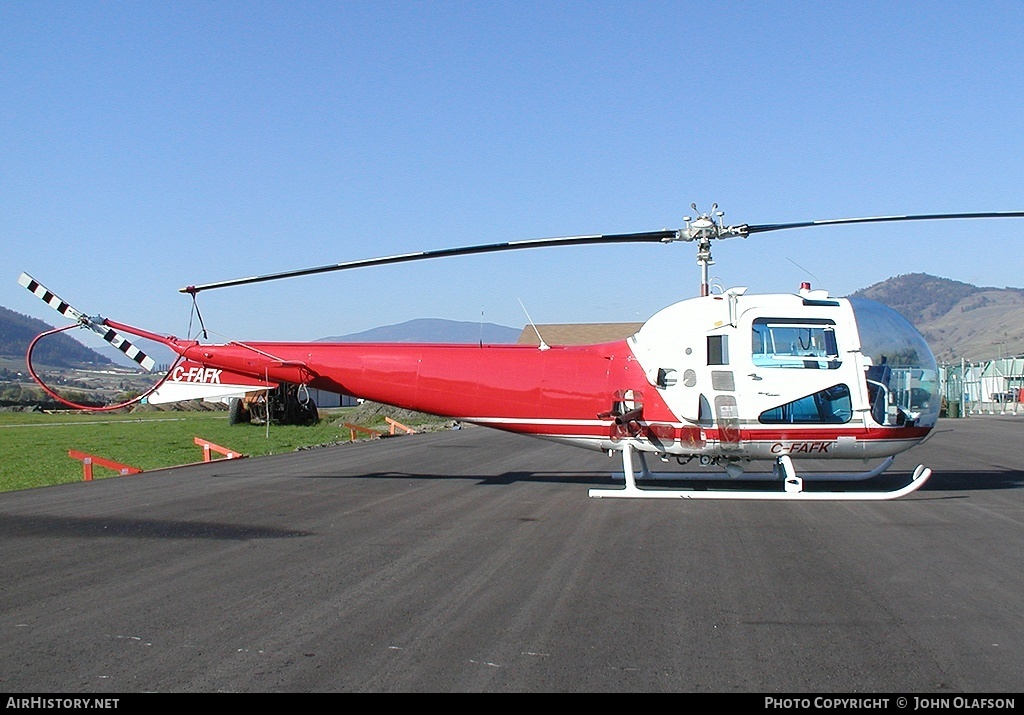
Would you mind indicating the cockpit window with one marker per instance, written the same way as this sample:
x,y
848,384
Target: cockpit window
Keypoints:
x,y
795,342
901,373
830,406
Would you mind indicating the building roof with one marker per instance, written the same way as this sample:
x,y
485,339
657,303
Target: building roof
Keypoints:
x,y
578,333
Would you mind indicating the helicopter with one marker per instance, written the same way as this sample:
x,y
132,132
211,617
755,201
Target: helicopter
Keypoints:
x,y
728,379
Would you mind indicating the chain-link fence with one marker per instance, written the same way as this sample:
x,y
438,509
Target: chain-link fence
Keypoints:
x,y
993,387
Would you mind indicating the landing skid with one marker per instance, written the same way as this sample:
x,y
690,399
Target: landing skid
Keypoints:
x,y
792,483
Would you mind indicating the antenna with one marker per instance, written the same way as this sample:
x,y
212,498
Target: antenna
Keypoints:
x,y
543,345
803,269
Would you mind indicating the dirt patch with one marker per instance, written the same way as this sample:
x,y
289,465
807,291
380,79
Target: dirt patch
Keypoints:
x,y
374,414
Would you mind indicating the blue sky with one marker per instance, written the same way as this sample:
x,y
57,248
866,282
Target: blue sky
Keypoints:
x,y
148,146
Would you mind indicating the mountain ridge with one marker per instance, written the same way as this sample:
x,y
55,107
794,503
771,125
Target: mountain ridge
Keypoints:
x,y
18,330
434,330
958,320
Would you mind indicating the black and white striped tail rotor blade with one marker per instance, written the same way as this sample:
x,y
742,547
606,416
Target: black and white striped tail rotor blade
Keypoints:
x,y
119,342
51,299
94,324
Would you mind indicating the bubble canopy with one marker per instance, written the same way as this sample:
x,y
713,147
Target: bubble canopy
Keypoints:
x,y
900,363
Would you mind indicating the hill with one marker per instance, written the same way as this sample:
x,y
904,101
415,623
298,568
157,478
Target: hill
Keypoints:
x,y
959,320
17,331
432,330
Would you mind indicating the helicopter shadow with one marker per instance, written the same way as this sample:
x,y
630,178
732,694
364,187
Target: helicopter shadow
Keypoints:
x,y
959,481
975,481
503,479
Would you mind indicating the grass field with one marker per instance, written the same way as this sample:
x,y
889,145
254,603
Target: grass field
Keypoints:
x,y
34,446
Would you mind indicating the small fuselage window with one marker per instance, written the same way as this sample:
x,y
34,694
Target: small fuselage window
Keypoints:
x,y
718,350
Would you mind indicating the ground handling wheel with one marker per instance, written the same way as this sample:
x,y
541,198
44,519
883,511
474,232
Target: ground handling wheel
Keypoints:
x,y
238,413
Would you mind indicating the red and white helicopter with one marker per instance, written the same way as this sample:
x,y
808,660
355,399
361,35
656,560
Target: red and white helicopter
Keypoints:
x,y
726,379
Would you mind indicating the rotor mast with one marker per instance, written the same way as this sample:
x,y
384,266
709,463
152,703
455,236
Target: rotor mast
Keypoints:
x,y
702,230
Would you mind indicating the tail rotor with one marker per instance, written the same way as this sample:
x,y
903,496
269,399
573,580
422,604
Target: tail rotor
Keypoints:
x,y
96,324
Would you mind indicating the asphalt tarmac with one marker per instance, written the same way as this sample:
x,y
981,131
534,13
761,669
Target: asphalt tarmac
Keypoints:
x,y
474,561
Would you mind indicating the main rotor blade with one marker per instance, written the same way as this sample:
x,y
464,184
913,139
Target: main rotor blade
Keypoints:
x,y
662,236
762,228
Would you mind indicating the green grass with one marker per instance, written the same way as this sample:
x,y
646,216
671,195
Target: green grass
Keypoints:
x,y
34,446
